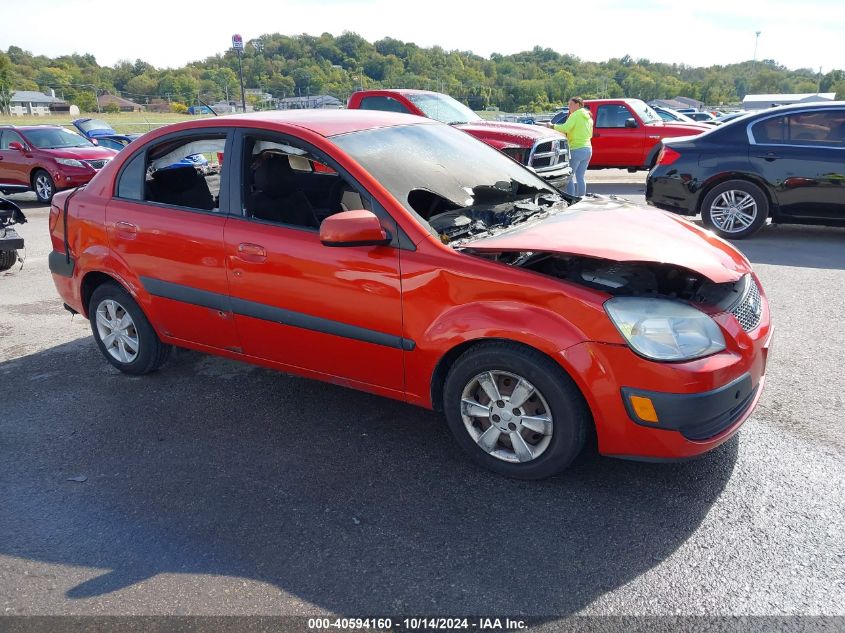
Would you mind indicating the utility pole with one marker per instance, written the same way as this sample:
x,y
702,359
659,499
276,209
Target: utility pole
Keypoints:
x,y
818,91
756,40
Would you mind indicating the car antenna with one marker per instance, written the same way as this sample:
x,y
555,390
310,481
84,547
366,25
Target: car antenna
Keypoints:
x,y
207,106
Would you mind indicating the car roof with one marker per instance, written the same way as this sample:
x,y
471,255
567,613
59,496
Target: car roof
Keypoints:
x,y
9,126
328,122
401,91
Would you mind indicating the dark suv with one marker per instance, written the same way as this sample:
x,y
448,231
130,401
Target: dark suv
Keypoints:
x,y
787,163
46,159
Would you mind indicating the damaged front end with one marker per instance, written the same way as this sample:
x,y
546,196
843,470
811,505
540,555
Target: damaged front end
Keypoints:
x,y
10,241
629,279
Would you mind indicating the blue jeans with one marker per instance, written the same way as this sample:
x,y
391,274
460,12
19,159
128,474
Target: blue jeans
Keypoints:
x,y
578,160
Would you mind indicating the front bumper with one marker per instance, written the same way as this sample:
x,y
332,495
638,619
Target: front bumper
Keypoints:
x,y
68,177
10,240
559,178
699,404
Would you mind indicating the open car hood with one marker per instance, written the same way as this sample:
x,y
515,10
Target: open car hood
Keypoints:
x,y
618,230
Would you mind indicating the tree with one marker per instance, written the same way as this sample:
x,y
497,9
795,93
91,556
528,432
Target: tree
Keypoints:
x,y
5,83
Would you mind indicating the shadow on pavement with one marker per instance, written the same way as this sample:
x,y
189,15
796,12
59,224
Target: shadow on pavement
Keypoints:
x,y
354,503
796,245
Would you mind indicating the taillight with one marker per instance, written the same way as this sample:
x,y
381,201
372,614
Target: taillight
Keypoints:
x,y
667,156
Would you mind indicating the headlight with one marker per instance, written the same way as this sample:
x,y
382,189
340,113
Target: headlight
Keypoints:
x,y
661,329
70,162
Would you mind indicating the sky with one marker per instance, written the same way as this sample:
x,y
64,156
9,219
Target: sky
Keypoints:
x,y
172,33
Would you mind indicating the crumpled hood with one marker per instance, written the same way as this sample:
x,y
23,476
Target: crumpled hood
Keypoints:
x,y
618,230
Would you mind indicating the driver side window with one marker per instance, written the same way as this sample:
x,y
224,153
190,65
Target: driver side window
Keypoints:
x,y
612,116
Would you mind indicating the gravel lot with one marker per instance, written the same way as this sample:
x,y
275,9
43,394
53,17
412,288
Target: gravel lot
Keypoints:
x,y
213,487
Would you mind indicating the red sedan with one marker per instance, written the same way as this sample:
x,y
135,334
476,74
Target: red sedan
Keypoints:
x,y
396,255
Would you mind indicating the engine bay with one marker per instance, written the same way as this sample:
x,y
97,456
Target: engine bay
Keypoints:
x,y
633,279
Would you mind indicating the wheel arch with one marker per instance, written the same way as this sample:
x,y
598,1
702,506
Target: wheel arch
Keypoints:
x,y
441,369
93,280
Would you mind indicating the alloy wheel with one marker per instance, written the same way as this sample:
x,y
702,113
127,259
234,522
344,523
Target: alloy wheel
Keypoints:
x,y
117,331
43,186
507,416
733,211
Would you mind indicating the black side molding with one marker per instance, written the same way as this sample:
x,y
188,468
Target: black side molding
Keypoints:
x,y
60,264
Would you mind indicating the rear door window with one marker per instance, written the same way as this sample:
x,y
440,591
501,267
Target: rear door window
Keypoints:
x,y
820,128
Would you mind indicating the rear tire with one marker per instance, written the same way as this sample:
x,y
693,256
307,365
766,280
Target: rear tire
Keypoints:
x,y
735,209
43,186
8,259
123,333
535,428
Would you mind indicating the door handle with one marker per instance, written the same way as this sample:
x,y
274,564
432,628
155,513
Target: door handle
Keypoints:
x,y
770,156
254,253
126,230
596,135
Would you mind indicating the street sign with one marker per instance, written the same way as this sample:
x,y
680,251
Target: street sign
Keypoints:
x,y
237,42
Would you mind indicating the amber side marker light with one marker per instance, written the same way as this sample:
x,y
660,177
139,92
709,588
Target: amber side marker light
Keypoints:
x,y
644,409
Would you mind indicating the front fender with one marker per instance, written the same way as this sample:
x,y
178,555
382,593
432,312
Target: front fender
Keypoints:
x,y
533,326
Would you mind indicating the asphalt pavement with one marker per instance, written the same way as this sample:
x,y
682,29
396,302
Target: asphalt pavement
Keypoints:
x,y
214,487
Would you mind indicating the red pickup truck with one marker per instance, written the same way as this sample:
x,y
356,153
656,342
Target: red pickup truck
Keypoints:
x,y
543,150
627,133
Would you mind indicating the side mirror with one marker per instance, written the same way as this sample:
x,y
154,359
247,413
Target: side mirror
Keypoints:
x,y
17,146
94,141
631,122
353,228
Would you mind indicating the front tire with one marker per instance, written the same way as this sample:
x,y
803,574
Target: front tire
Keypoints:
x,y
735,209
7,259
123,333
43,186
515,411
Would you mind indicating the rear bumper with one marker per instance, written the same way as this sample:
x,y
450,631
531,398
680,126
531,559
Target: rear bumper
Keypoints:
x,y
10,240
670,193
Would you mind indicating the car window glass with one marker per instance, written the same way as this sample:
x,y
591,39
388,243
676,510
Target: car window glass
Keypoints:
x,y
823,128
130,185
10,137
612,116
287,184
769,130
185,172
383,103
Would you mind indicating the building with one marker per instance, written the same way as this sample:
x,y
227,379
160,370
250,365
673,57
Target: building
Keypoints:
x,y
125,105
30,102
762,102
317,101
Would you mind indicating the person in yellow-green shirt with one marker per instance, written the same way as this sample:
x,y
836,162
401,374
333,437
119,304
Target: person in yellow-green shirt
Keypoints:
x,y
578,129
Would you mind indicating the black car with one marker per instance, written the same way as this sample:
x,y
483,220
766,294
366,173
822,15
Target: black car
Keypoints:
x,y
787,163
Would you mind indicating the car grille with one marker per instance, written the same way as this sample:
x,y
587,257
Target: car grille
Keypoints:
x,y
549,153
749,308
97,164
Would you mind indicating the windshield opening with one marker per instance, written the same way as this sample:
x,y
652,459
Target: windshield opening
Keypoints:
x,y
443,108
56,138
454,184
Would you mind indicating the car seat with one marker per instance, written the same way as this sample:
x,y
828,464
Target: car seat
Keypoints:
x,y
277,196
180,186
